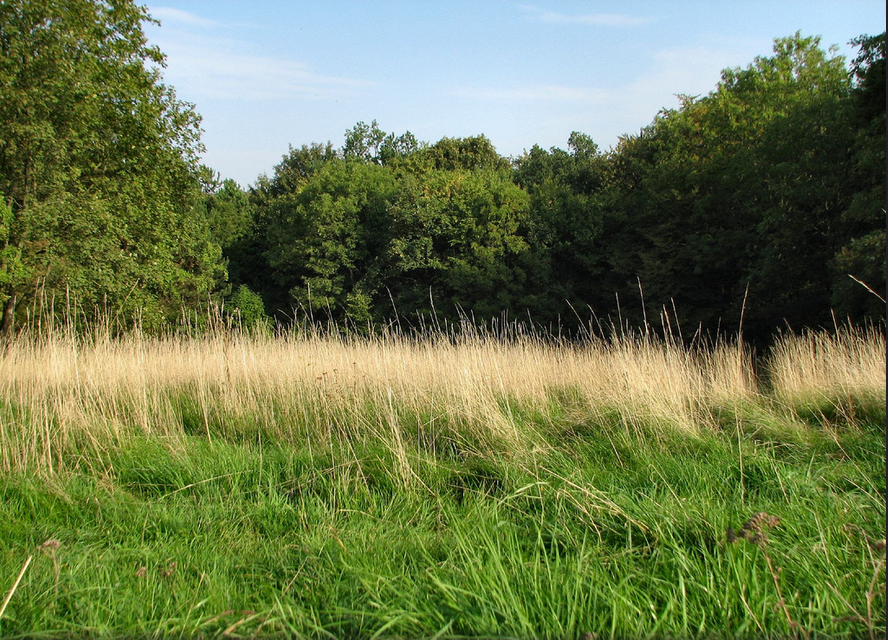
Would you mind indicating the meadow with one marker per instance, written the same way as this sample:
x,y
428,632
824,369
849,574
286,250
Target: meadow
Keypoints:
x,y
454,484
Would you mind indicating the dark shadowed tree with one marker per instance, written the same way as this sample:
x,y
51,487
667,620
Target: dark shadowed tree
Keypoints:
x,y
271,198
565,257
748,186
859,265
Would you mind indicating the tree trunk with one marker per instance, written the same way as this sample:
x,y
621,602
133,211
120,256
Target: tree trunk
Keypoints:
x,y
7,318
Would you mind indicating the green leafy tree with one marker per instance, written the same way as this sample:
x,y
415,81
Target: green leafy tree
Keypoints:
x,y
396,149
98,163
248,310
772,184
860,263
369,143
474,152
329,249
804,141
870,78
389,225
11,267
227,213
485,218
459,243
743,187
364,142
272,198
293,171
225,209
566,219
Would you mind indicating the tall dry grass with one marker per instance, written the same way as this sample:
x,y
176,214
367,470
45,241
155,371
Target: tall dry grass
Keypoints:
x,y
821,368
60,395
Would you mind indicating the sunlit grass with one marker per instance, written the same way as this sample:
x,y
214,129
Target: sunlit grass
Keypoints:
x,y
462,485
63,393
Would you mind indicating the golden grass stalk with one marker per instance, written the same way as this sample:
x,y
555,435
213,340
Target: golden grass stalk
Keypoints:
x,y
61,394
817,368
15,585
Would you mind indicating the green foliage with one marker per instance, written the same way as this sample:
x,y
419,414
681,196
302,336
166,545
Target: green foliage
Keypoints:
x,y
395,148
98,161
566,220
864,254
328,242
751,186
869,75
226,211
363,142
864,259
477,225
763,200
269,199
295,168
476,152
369,143
391,221
248,309
12,271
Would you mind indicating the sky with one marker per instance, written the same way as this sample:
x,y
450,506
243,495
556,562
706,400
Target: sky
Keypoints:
x,y
269,74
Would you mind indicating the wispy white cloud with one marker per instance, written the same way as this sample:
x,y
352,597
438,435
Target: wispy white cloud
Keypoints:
x,y
533,93
211,70
171,16
203,64
177,18
690,70
592,19
609,111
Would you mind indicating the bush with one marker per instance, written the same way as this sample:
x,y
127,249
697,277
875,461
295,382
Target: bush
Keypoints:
x,y
248,310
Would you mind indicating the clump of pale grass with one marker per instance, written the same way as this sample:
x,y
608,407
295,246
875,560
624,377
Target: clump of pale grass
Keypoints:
x,y
815,369
63,394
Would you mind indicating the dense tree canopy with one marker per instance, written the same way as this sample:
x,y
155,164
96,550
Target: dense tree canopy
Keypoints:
x,y
745,187
763,199
97,166
358,236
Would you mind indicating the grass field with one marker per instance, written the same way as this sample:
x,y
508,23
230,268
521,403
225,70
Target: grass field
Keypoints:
x,y
466,485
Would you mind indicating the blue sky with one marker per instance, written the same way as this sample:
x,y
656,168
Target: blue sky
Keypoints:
x,y
266,74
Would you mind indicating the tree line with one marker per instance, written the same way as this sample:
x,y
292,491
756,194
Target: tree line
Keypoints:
x,y
761,202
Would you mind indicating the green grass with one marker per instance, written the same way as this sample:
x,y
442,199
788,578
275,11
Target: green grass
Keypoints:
x,y
608,534
598,523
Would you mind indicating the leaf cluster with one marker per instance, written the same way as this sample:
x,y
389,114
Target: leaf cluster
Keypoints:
x,y
98,164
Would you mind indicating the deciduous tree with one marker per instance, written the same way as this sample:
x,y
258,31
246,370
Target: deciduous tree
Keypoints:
x,y
98,164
